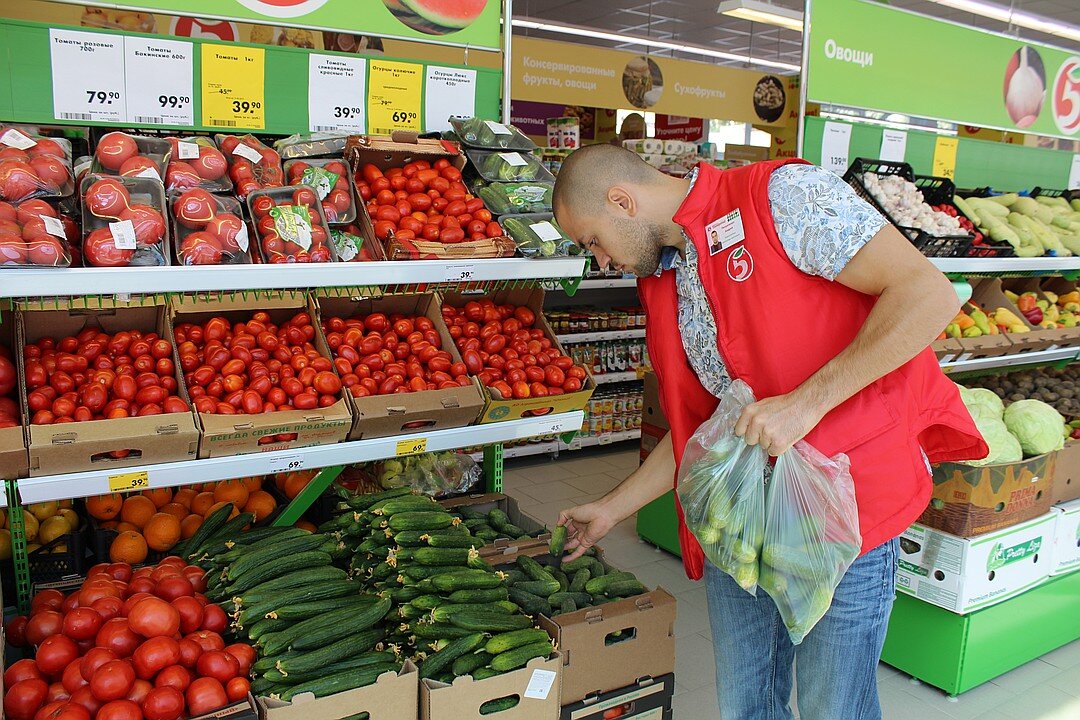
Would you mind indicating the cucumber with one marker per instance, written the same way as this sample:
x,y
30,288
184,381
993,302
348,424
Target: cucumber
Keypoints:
x,y
413,503
443,612
530,604
520,656
292,580
489,621
254,612
577,582
363,660
420,521
568,606
270,552
478,596
461,557
284,566
596,586
346,647
410,538
444,658
404,594
564,581
427,602
483,674
309,609
363,502
340,682
323,628
498,519
533,569
466,580
543,588
230,529
499,705
423,572
579,599
517,638
629,587
596,569
557,542
465,664
411,612
487,535
452,540
438,631
209,526
265,627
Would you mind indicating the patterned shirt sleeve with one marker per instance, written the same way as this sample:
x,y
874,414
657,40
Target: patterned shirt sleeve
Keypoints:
x,y
820,220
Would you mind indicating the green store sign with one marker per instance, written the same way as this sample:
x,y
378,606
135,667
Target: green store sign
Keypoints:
x,y
868,55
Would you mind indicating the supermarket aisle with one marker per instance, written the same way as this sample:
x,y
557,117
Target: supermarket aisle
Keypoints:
x,y
1045,689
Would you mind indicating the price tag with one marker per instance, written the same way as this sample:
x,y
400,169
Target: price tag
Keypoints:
x,y
540,684
246,151
945,157
448,92
497,128
87,76
242,237
893,145
394,95
292,463
53,226
1074,173
150,172
158,81
546,231
129,481
336,93
411,447
14,138
187,150
460,273
123,233
233,90
513,159
835,143
604,440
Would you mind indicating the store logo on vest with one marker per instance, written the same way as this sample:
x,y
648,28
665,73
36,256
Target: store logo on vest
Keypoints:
x,y
740,264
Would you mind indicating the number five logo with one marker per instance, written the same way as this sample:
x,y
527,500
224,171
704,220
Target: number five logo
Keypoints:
x,y
740,264
1066,96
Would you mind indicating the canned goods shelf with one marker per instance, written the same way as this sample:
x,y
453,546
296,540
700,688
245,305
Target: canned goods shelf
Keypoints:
x,y
601,335
616,377
557,446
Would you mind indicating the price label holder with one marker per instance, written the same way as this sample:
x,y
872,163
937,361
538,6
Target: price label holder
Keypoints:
x,y
233,87
893,145
461,273
87,76
448,91
604,440
945,157
158,81
394,96
129,481
411,447
1074,173
336,93
835,145
292,463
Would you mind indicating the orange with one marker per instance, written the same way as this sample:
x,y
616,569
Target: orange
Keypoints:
x,y
184,496
104,507
128,547
296,482
137,510
260,503
125,527
108,525
216,506
231,491
159,496
201,503
253,483
162,532
189,525
305,525
175,509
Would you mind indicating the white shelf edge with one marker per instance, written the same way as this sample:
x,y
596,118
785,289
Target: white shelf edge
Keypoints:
x,y
578,443
607,283
607,378
62,282
599,335
992,265
1031,358
84,484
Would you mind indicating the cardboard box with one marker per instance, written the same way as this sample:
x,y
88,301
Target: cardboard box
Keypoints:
x,y
484,502
497,410
379,416
392,697
947,350
242,710
537,687
1060,337
14,460
82,446
591,665
647,699
225,435
1066,485
969,501
963,575
988,294
1066,554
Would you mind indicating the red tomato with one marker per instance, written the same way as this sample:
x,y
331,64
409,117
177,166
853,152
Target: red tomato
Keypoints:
x,y
82,623
119,710
174,676
21,670
64,710
55,653
92,660
245,656
207,640
219,665
155,655
205,695
116,635
237,689
85,699
153,617
112,681
190,609
72,678
189,652
139,690
22,700
163,703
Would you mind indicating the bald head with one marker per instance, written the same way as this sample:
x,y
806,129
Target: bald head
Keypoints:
x,y
589,172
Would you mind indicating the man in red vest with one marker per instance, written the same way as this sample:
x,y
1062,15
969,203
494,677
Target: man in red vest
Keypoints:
x,y
778,274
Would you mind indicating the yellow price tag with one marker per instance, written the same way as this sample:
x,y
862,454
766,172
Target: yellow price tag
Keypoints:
x,y
945,157
233,93
129,481
411,447
394,93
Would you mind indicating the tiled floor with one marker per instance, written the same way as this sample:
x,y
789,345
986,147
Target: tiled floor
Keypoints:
x,y
1044,689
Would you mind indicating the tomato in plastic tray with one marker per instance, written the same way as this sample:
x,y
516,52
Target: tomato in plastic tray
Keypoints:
x,y
290,225
123,221
32,166
209,229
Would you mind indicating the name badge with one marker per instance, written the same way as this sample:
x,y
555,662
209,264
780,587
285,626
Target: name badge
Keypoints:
x,y
725,232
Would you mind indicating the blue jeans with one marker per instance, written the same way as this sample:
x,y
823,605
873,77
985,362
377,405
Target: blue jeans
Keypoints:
x,y
837,661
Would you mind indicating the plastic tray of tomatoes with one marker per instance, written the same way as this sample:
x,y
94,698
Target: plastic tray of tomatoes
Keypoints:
x,y
290,225
35,234
117,210
330,178
208,229
310,145
351,246
252,164
196,162
118,153
33,166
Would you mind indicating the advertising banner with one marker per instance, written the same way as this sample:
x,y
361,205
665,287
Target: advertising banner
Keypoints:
x,y
680,127
869,55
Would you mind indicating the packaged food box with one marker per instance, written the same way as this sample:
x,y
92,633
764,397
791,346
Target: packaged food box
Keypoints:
x,y
252,165
34,234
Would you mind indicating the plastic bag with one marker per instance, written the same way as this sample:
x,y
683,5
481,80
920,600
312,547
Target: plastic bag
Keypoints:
x,y
436,474
721,488
811,535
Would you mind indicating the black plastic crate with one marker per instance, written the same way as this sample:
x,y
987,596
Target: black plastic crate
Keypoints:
x,y
941,191
1069,195
647,698
929,245
101,539
51,566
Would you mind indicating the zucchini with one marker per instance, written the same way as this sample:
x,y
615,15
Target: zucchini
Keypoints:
x,y
478,596
209,526
466,580
520,656
346,647
517,638
284,566
557,542
444,658
359,661
499,705
420,521
340,682
533,569
530,604
543,588
323,628
438,631
465,664
489,621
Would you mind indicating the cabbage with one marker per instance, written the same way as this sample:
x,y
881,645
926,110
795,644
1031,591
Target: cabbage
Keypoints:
x,y
1036,425
981,402
1004,448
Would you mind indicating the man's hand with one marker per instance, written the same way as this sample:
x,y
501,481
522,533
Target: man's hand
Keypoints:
x,y
586,525
777,423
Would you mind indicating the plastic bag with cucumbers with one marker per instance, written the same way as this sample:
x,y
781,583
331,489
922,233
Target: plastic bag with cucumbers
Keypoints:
x,y
811,535
436,473
721,488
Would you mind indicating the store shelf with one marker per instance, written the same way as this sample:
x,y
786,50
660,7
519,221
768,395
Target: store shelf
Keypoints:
x,y
83,484
603,335
63,282
577,443
607,283
1007,266
618,377
1041,357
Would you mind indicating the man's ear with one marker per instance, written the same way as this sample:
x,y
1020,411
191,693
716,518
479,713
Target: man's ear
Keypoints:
x,y
622,199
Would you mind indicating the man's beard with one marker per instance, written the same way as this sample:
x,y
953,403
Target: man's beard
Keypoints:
x,y
643,242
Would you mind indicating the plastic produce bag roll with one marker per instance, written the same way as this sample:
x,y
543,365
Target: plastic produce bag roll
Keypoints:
x,y
721,488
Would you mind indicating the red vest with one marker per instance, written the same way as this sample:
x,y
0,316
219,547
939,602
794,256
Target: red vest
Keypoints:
x,y
776,326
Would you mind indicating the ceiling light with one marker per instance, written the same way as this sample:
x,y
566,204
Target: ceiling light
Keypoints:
x,y
762,12
579,31
1014,17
